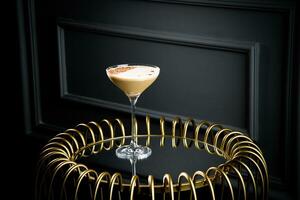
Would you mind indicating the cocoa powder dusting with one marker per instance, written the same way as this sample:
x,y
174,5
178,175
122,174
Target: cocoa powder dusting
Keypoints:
x,y
120,69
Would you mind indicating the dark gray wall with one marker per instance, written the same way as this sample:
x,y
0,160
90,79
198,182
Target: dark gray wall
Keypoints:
x,y
227,62
297,100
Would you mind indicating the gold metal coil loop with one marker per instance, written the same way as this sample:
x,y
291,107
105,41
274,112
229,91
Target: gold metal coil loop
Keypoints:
x,y
191,183
216,140
210,131
151,186
98,182
118,123
168,186
162,130
54,152
148,128
198,128
226,137
185,131
79,180
67,174
88,131
135,183
78,133
265,181
57,147
249,172
57,168
222,174
48,166
112,134
236,137
115,177
73,140
244,143
241,179
245,147
100,135
176,123
206,178
65,143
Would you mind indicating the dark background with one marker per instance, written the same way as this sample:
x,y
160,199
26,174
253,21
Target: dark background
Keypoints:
x,y
231,62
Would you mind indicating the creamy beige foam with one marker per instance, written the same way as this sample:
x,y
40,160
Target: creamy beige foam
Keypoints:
x,y
133,79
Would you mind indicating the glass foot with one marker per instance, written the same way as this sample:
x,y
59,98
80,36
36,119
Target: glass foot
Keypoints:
x,y
133,152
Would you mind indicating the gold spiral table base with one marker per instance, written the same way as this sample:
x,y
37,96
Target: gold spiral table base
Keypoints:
x,y
61,175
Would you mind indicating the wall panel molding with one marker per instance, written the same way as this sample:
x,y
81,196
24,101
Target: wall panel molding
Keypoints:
x,y
278,6
251,49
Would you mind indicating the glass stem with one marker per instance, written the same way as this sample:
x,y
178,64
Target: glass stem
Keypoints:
x,y
133,100
133,166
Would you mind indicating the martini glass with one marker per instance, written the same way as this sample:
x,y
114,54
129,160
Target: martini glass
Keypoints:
x,y
133,80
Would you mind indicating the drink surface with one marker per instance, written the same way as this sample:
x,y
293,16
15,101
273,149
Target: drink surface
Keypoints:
x,y
133,79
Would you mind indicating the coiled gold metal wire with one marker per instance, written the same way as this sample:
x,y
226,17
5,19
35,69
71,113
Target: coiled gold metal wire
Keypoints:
x,y
244,175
